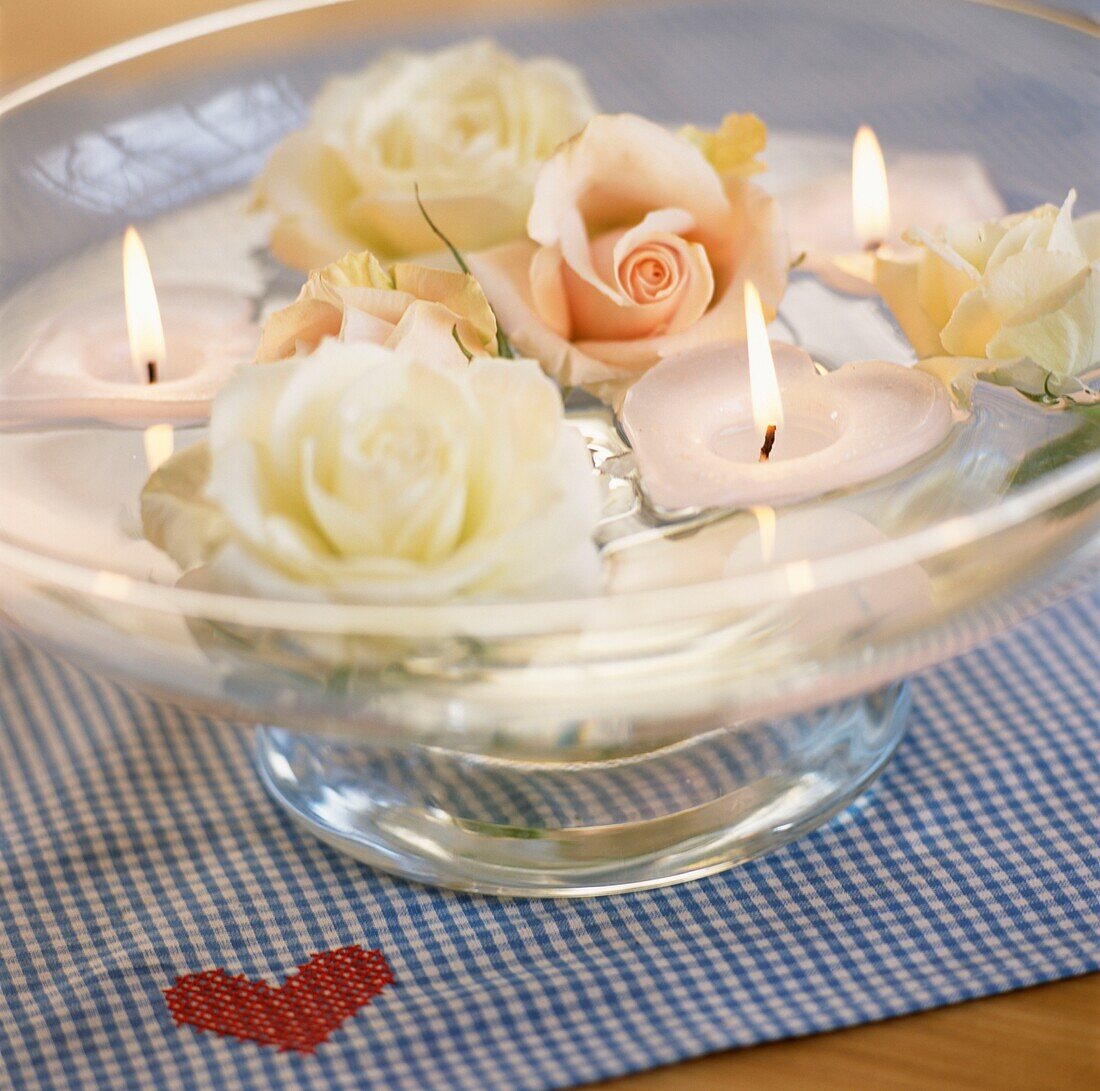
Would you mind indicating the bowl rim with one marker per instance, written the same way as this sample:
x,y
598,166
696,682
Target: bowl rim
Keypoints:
x,y
258,11
528,616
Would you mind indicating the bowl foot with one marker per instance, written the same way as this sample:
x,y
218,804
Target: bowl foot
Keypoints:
x,y
574,829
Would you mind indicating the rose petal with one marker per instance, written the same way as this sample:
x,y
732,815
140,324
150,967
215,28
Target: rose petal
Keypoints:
x,y
427,332
617,169
1029,231
896,279
358,269
1064,340
971,326
304,322
359,326
1033,282
1063,237
548,290
460,293
309,184
386,303
943,278
732,148
1088,235
522,402
504,274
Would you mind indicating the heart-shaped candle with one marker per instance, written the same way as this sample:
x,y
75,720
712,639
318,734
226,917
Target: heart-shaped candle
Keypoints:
x,y
700,423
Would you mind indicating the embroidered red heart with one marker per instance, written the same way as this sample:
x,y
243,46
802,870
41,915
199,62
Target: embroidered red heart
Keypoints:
x,y
300,1014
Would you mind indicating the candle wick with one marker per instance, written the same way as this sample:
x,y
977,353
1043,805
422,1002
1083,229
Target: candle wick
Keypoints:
x,y
769,443
872,246
151,369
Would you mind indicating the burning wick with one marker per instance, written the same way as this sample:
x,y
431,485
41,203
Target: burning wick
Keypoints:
x,y
767,407
151,369
769,442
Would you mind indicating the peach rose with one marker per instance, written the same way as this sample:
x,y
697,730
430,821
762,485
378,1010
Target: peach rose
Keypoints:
x,y
357,300
638,248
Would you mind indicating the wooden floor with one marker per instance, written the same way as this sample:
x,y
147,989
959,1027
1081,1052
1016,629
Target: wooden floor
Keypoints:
x,y
1040,1038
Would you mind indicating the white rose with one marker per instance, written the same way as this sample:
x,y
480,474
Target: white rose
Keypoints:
x,y
363,474
1024,289
470,124
436,313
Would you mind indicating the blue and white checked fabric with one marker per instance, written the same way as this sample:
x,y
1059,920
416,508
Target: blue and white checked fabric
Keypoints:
x,y
137,845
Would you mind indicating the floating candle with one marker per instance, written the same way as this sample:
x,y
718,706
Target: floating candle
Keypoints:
x,y
697,422
842,220
82,365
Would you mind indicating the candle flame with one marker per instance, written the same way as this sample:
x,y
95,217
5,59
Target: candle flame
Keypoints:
x,y
767,407
142,310
765,518
146,333
870,189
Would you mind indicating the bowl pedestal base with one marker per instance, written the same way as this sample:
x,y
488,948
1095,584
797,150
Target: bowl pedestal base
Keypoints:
x,y
573,829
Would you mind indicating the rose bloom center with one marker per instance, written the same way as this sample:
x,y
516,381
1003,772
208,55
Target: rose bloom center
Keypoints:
x,y
650,273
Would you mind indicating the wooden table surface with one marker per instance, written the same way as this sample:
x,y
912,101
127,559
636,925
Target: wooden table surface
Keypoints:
x,y
1044,1037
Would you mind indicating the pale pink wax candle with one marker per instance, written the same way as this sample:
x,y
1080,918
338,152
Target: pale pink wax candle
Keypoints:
x,y
928,191
80,366
690,422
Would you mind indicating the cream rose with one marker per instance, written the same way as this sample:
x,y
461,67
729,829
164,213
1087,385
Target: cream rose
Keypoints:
x,y
364,474
440,314
1024,289
470,124
638,250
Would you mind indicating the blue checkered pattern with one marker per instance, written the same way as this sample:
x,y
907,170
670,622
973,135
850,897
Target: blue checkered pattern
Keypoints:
x,y
137,845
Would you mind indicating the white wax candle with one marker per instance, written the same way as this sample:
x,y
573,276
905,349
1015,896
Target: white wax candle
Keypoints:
x,y
690,422
79,367
928,191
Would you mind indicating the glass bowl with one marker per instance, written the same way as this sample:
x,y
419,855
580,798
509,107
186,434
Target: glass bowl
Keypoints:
x,y
724,696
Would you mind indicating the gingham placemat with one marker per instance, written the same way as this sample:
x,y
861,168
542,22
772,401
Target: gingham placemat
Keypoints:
x,y
137,847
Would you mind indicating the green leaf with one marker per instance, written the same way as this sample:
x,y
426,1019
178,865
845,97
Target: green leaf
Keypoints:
x,y
1082,441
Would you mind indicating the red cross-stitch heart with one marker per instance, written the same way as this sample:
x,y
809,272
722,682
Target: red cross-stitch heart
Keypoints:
x,y
300,1014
